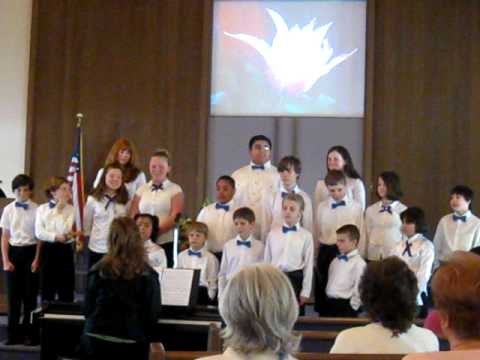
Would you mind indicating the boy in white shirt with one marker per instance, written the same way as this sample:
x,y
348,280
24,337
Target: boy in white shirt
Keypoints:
x,y
344,274
459,230
336,211
21,260
218,216
148,227
290,248
198,257
240,251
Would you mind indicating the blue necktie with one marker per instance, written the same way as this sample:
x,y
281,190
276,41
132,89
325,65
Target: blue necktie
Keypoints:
x,y
387,208
51,204
258,167
340,203
408,249
244,243
194,253
342,257
110,199
222,206
157,187
24,206
459,218
286,229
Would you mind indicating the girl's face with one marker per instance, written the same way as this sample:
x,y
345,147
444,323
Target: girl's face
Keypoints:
x,y
159,168
335,161
63,193
382,189
291,212
409,229
289,177
113,179
124,156
144,227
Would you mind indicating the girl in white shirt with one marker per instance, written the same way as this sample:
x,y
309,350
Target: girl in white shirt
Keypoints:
x,y
107,202
382,219
338,158
148,227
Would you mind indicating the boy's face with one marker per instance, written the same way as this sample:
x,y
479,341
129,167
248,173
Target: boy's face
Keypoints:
x,y
225,191
144,227
291,212
196,239
113,179
260,152
337,192
409,229
23,193
345,244
458,203
289,177
243,227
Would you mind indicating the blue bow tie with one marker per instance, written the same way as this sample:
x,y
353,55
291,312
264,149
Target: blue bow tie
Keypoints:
x,y
244,243
459,218
286,229
110,200
51,204
342,257
21,205
258,167
194,253
387,208
157,187
340,203
284,194
408,249
222,206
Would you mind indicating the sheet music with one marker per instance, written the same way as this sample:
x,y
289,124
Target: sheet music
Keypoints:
x,y
176,286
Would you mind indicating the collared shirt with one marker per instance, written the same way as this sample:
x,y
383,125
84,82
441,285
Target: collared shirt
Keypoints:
x,y
20,223
156,256
131,186
344,278
51,222
421,261
292,251
97,221
276,208
382,230
456,235
330,219
158,203
220,225
208,265
235,257
253,189
355,191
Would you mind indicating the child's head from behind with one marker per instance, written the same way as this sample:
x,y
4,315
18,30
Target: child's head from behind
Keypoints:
x,y
461,198
58,189
147,226
260,148
244,221
293,206
336,183
348,237
22,186
225,189
197,235
388,186
289,168
413,221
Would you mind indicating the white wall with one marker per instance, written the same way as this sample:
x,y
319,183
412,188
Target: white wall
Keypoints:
x,y
15,23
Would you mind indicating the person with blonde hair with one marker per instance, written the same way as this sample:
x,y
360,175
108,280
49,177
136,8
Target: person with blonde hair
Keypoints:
x,y
260,309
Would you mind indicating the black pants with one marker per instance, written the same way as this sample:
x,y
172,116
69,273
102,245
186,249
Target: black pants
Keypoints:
x,y
218,255
203,298
92,348
22,287
296,279
338,308
58,272
326,253
168,247
93,258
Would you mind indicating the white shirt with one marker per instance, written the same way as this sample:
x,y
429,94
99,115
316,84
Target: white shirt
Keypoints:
x,y
131,186
230,354
329,219
376,339
382,230
158,203
456,235
97,221
20,223
253,188
420,261
355,191
236,256
220,225
344,278
156,256
51,222
208,265
292,251
276,208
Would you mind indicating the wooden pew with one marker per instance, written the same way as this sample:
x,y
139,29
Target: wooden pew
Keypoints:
x,y
333,323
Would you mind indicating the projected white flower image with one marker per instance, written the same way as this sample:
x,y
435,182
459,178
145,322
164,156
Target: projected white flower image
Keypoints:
x,y
297,57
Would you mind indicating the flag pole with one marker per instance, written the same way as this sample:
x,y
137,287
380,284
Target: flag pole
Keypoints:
x,y
80,237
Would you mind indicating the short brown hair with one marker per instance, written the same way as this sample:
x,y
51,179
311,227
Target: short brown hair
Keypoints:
x,y
198,226
335,177
52,184
351,230
163,153
288,162
244,213
456,293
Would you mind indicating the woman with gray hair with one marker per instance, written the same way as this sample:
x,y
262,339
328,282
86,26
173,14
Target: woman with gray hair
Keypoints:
x,y
260,309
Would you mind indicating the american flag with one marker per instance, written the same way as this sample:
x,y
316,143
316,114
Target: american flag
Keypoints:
x,y
75,178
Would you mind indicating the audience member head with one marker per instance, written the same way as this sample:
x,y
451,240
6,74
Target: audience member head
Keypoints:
x,y
22,187
456,294
159,166
293,206
197,235
225,189
388,186
336,184
111,184
260,310
413,221
244,221
348,237
338,158
289,168
148,226
57,189
388,290
260,148
461,198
